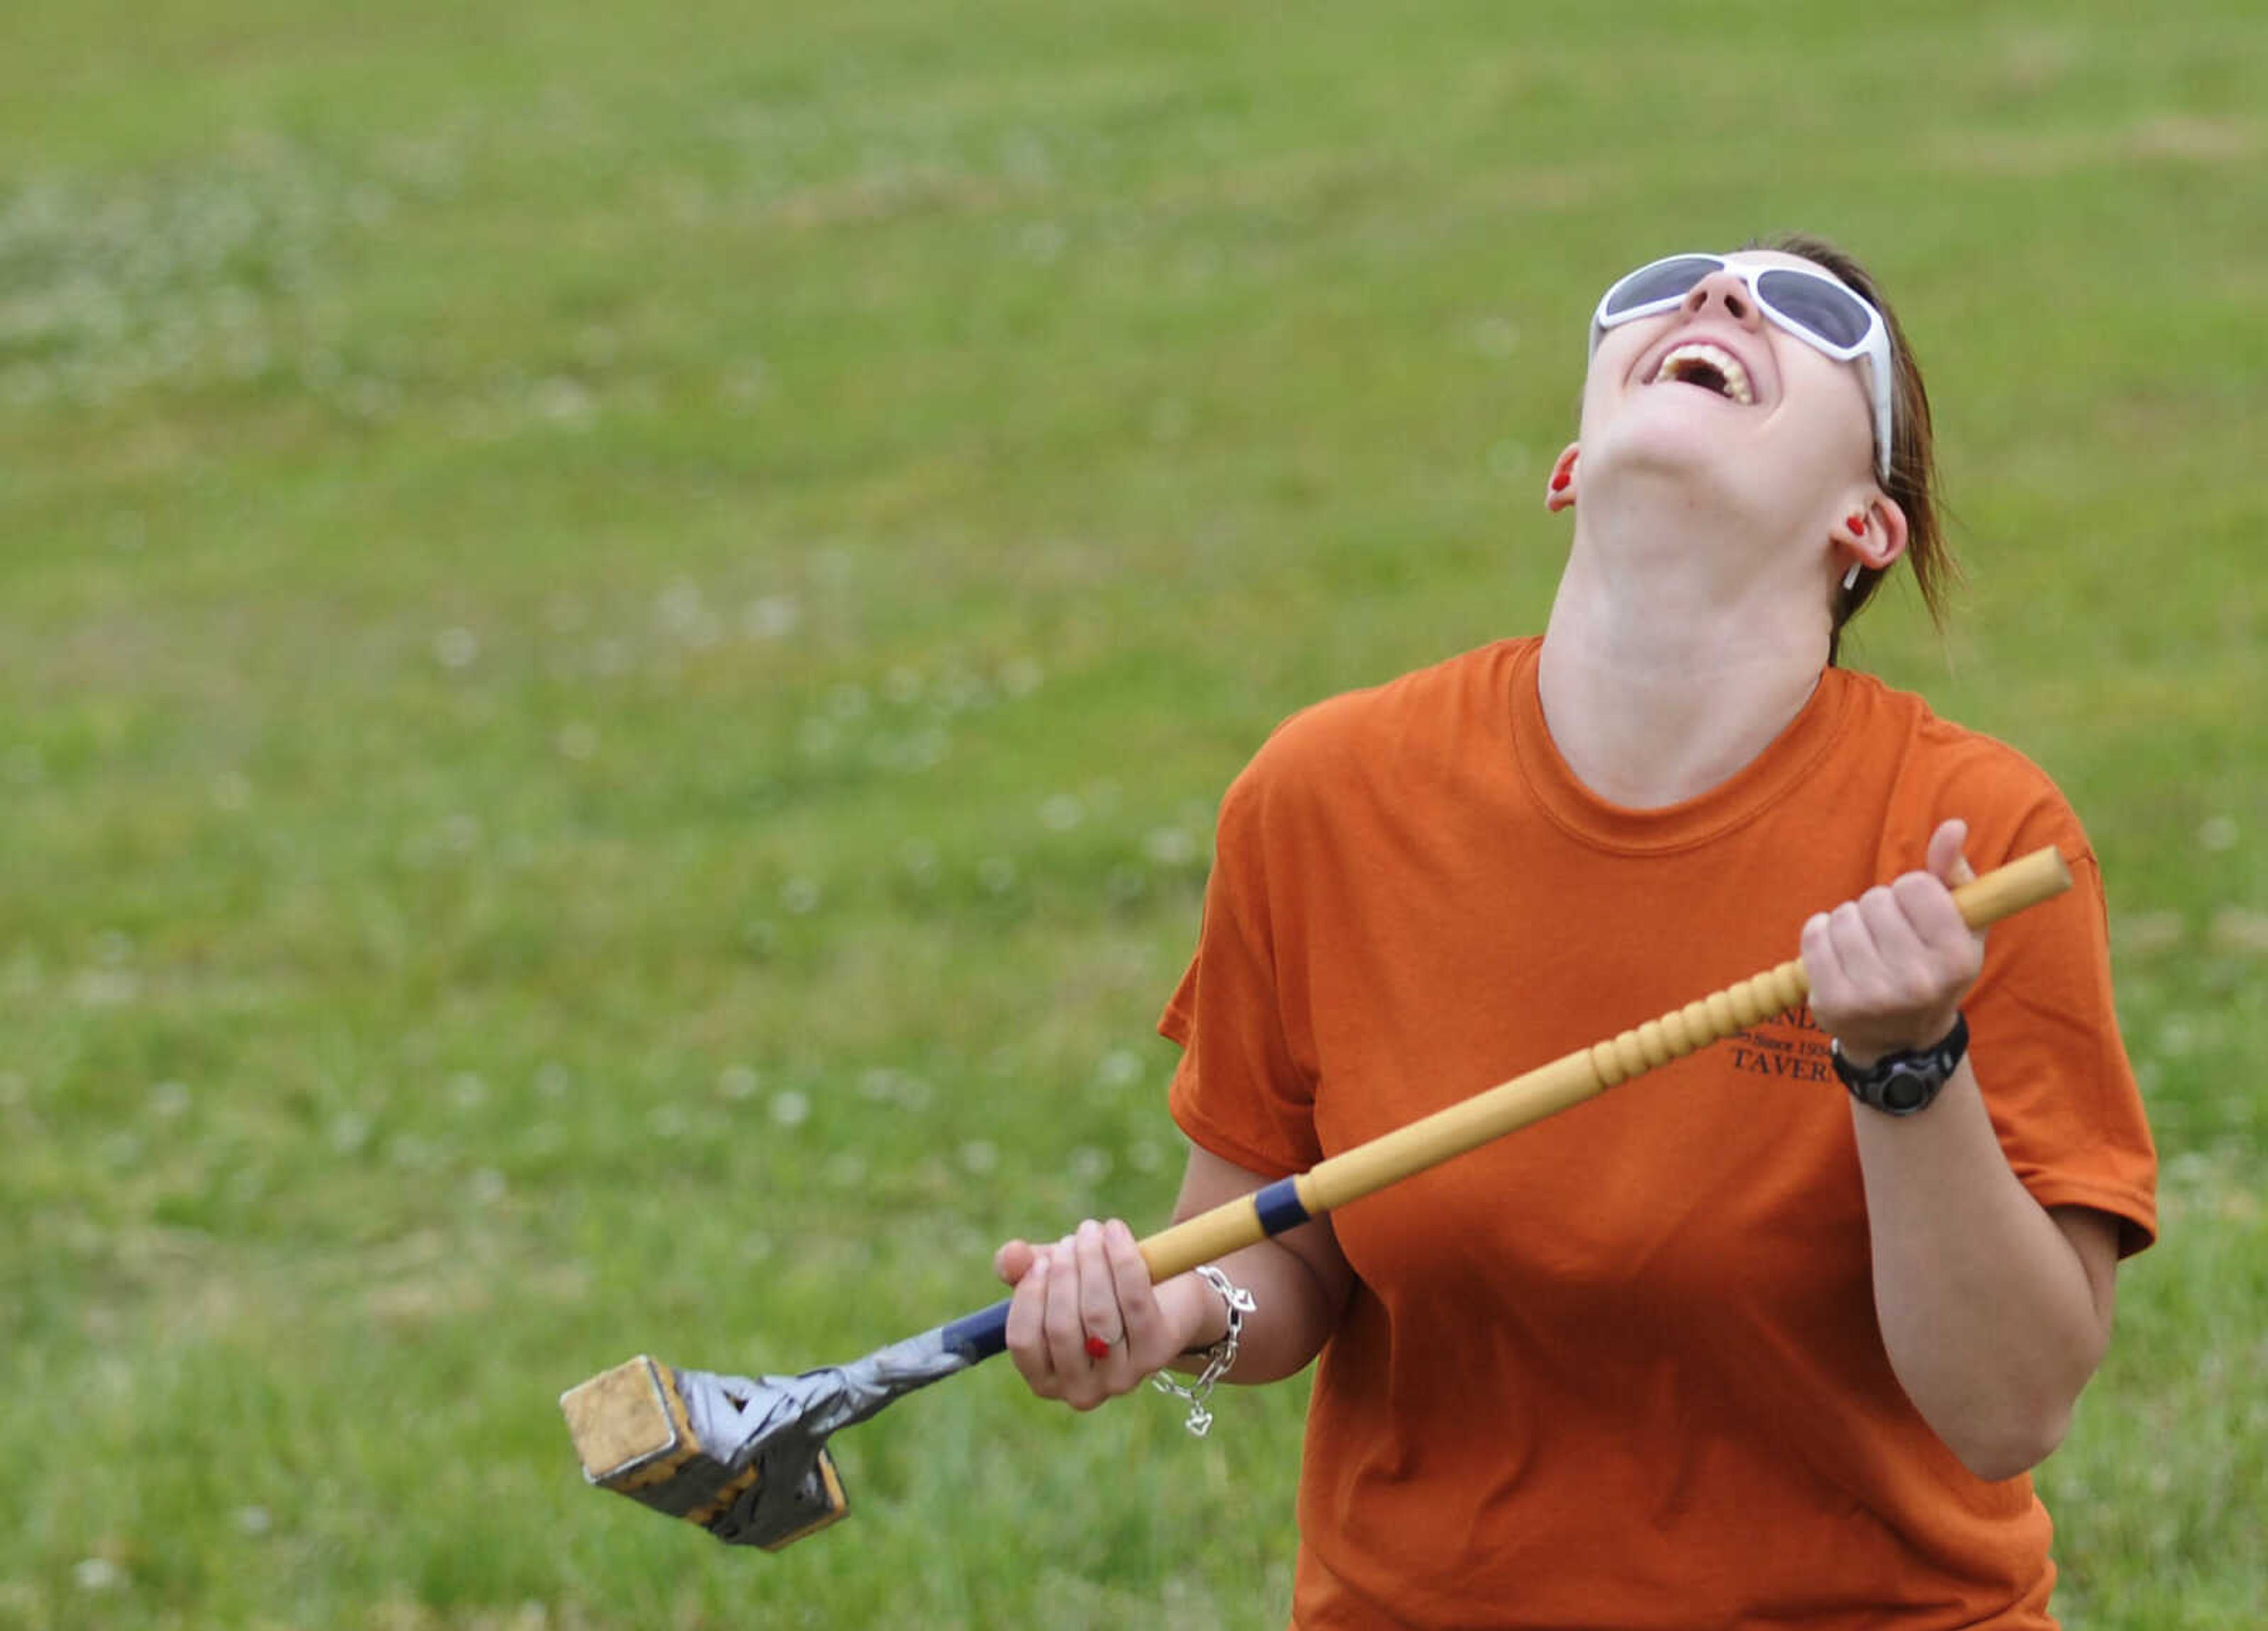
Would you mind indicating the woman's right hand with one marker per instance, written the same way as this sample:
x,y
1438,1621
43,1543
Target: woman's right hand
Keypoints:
x,y
1093,1284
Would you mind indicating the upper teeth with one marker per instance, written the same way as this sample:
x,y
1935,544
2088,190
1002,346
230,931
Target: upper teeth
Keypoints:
x,y
1736,378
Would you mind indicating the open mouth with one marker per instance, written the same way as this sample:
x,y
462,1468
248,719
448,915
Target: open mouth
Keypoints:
x,y
1712,368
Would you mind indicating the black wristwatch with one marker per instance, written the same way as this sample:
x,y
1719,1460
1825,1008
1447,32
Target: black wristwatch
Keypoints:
x,y
1904,1084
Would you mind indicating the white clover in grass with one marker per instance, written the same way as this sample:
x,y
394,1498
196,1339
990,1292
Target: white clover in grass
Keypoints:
x,y
1120,1067
610,657
1024,156
683,615
1090,1166
231,791
552,1080
1169,847
791,1108
1061,812
253,1520
461,833
1143,1155
772,617
1497,337
997,874
468,1090
1510,460
564,403
114,947
122,1151
915,1092
924,750
2218,833
105,988
679,602
665,1122
97,1574
348,1132
1042,242
798,897
577,740
902,686
25,385
169,1100
1020,676
736,1083
756,1245
980,1156
410,1152
456,647
2239,931
745,386
846,1169
2178,1037
487,1187
919,857
959,690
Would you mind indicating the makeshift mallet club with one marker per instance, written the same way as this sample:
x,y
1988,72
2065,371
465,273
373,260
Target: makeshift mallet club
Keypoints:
x,y
747,1460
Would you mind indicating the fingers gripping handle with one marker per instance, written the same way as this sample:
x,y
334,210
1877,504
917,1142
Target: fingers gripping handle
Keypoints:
x,y
1566,1081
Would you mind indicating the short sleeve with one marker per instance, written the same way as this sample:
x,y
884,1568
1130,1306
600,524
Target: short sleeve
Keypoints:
x,y
1239,1091
2047,1050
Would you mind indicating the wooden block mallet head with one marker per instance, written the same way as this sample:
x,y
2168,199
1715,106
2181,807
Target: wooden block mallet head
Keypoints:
x,y
747,1460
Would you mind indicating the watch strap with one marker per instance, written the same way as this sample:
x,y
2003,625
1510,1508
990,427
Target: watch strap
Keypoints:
x,y
1906,1082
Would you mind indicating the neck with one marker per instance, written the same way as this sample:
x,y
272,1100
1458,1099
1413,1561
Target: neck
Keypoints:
x,y
1663,673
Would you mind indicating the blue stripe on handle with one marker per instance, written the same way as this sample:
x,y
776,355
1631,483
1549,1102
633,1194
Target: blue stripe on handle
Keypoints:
x,y
1279,1206
979,1335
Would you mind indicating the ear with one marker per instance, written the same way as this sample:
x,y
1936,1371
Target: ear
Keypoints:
x,y
1559,493
1872,533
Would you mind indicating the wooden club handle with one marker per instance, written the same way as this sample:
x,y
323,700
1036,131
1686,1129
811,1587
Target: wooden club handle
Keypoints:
x,y
1569,1080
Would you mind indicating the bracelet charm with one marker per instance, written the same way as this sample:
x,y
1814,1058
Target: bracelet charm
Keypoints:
x,y
1219,1358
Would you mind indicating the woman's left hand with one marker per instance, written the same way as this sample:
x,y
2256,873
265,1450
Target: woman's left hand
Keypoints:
x,y
1888,970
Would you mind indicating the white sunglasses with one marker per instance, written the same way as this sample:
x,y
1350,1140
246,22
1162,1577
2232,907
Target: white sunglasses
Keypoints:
x,y
1824,313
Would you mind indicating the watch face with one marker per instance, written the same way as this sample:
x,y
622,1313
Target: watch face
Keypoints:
x,y
1904,1091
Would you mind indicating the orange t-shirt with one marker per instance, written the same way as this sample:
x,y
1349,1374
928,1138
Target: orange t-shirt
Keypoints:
x,y
1621,1369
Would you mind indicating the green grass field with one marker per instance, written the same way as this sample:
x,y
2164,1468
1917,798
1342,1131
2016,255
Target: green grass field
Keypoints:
x,y
618,636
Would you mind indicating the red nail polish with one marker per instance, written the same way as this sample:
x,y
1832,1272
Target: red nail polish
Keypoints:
x,y
1097,1348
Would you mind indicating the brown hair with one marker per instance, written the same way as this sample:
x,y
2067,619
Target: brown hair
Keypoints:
x,y
1912,479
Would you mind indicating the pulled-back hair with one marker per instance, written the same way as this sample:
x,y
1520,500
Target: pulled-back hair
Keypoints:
x,y
1912,479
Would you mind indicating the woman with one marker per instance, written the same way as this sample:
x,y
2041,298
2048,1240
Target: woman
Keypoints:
x,y
1739,1346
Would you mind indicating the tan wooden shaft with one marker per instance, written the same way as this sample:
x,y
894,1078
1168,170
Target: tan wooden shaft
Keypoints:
x,y
1566,1081
1228,1227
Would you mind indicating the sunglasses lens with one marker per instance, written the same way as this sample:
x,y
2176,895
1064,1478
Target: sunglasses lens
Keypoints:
x,y
1664,280
1828,309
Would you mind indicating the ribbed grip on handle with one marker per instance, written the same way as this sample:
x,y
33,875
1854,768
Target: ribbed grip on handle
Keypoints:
x,y
1694,1026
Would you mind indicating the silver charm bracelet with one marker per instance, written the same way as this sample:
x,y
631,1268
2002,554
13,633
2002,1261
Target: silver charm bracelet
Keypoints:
x,y
1218,1358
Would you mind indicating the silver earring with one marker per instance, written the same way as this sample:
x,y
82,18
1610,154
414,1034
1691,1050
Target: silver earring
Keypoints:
x,y
1851,577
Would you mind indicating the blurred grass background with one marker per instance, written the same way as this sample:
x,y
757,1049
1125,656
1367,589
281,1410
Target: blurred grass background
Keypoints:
x,y
619,632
